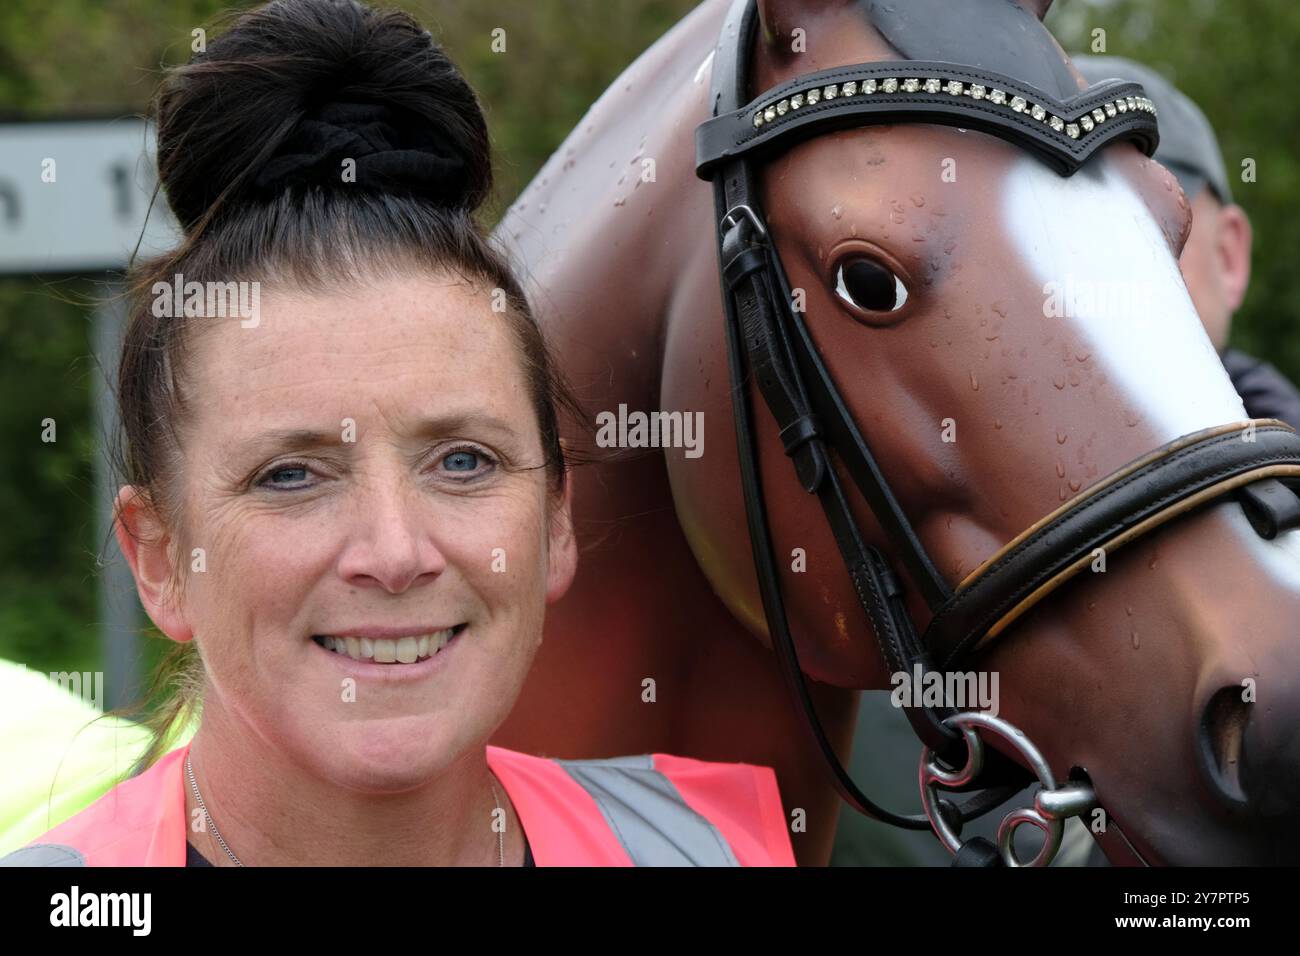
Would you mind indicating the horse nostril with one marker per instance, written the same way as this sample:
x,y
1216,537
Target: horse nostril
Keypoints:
x,y
1223,732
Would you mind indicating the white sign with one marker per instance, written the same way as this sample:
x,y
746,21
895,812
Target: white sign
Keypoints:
x,y
74,196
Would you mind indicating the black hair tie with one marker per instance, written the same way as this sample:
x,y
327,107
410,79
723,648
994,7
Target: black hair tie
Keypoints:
x,y
391,154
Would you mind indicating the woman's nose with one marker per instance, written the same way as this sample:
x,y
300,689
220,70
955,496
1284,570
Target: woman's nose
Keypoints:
x,y
390,546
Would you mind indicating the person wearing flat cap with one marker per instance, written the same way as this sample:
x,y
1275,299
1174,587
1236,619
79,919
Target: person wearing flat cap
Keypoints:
x,y
1216,260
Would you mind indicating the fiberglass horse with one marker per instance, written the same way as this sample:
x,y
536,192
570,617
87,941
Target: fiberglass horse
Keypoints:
x,y
925,255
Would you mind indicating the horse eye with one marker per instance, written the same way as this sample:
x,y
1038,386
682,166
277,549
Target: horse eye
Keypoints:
x,y
869,285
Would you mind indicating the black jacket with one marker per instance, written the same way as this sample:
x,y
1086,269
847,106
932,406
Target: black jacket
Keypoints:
x,y
1265,391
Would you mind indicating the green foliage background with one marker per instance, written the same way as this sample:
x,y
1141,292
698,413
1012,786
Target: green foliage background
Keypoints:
x,y
103,57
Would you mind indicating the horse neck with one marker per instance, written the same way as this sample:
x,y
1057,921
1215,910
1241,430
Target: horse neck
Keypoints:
x,y
590,212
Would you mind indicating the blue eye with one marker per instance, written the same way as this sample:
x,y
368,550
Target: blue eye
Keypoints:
x,y
462,461
288,476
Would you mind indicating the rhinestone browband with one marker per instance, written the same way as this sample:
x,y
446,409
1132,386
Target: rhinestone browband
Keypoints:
x,y
976,91
1064,132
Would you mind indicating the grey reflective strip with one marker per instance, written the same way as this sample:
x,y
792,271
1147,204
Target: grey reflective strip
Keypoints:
x,y
44,854
648,815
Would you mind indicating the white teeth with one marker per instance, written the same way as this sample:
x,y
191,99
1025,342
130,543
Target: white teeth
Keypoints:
x,y
405,650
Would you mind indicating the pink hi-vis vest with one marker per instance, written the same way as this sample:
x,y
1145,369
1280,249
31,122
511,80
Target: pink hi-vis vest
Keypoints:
x,y
651,810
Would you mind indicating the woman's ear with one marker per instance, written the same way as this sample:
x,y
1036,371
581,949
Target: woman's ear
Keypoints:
x,y
563,550
147,546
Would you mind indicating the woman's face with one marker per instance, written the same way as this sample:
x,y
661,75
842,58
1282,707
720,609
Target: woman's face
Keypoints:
x,y
365,470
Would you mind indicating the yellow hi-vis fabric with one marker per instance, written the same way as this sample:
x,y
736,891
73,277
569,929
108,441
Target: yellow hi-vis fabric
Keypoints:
x,y
58,753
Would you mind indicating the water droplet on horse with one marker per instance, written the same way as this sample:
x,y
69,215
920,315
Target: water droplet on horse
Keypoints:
x,y
1074,484
541,209
1128,611
837,211
974,383
1135,640
1131,417
620,201
1058,381
997,423
1060,470
1061,437
918,200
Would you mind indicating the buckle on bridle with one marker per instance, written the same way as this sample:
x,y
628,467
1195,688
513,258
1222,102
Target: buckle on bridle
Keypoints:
x,y
732,218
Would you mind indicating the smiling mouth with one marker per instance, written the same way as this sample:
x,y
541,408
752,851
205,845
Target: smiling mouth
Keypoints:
x,y
401,650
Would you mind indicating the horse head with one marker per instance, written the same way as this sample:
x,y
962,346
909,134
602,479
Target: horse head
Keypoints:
x,y
1007,339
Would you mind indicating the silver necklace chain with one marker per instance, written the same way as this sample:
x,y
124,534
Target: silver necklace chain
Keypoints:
x,y
212,824
501,834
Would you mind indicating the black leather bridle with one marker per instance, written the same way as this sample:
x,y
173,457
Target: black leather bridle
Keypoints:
x,y
769,342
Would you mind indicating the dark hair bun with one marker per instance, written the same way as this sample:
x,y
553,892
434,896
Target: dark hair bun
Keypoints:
x,y
296,87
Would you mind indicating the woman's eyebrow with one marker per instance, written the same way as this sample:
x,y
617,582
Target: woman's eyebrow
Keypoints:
x,y
274,440
279,439
459,423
